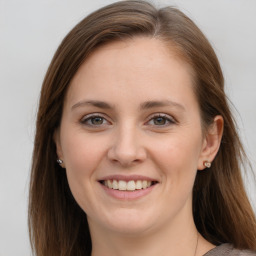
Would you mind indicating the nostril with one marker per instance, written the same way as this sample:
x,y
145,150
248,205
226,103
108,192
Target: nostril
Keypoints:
x,y
126,152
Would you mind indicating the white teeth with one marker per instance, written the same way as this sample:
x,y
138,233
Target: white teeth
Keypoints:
x,y
115,184
144,184
130,185
122,185
138,184
109,184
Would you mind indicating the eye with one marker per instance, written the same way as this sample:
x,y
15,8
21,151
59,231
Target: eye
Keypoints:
x,y
161,120
94,120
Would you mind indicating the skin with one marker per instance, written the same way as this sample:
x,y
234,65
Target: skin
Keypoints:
x,y
130,140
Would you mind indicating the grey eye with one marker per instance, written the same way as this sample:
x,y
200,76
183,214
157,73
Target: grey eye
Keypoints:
x,y
94,120
161,120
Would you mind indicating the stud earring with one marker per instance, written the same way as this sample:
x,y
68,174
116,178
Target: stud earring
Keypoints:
x,y
59,161
207,164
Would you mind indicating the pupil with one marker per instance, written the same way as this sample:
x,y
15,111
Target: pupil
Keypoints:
x,y
97,120
159,120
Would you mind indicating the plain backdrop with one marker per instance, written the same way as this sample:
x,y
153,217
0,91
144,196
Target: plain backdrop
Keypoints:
x,y
30,32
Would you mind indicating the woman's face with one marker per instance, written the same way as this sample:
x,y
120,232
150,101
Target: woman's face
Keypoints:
x,y
131,137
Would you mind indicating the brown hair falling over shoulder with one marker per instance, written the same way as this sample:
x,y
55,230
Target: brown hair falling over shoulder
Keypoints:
x,y
221,208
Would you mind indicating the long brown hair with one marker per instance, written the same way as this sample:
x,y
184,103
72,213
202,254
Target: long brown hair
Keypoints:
x,y
221,209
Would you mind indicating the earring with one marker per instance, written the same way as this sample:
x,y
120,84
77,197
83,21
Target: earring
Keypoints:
x,y
207,164
59,161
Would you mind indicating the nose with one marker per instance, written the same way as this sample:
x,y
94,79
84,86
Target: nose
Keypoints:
x,y
127,148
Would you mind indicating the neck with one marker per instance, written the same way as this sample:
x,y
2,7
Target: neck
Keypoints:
x,y
180,238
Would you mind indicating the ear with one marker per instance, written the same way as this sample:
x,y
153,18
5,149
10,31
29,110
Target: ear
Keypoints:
x,y
211,142
56,139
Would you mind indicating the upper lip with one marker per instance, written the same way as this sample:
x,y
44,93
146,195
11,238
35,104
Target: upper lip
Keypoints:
x,y
127,177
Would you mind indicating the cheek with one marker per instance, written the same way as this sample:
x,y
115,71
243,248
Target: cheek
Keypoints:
x,y
82,156
179,150
177,159
81,153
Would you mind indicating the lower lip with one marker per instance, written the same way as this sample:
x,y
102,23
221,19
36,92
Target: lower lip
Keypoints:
x,y
128,195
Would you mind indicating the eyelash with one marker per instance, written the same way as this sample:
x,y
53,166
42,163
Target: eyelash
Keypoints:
x,y
166,117
89,118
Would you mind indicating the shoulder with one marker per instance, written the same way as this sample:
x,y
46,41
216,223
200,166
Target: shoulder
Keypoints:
x,y
229,250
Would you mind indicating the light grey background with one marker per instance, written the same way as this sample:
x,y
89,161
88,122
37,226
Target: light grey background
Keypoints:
x,y
31,30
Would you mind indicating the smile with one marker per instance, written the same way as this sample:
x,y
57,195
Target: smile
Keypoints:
x,y
131,185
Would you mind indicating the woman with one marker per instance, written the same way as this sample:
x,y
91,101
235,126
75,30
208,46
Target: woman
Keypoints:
x,y
134,111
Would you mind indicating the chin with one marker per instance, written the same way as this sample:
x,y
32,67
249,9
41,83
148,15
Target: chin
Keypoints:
x,y
129,222
132,229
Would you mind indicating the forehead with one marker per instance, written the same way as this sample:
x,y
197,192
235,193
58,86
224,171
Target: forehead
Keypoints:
x,y
139,51
142,65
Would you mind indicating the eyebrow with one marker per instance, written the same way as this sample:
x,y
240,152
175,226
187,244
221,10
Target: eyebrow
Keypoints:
x,y
95,103
143,106
162,103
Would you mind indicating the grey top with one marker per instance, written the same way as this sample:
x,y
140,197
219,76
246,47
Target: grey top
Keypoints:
x,y
229,250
